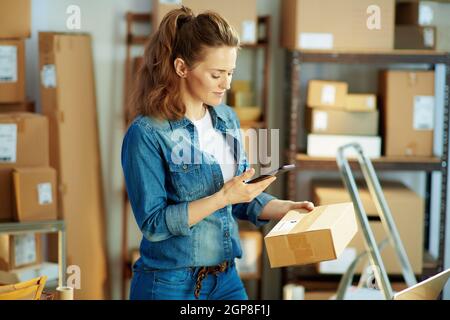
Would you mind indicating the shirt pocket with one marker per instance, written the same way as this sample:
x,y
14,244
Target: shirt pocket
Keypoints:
x,y
187,180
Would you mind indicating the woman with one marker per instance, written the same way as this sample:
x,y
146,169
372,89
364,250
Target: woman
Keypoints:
x,y
185,201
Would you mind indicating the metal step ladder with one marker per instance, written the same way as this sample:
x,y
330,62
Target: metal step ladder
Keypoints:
x,y
376,270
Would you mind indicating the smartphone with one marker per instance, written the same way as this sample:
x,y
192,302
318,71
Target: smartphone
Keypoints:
x,y
275,172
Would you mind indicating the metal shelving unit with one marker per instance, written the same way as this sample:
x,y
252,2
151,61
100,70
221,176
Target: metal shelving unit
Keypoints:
x,y
43,227
294,62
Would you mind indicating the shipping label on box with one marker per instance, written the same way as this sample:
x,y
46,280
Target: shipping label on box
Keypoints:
x,y
8,63
423,113
321,145
315,40
8,142
48,76
304,238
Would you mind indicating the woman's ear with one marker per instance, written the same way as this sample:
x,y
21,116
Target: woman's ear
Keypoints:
x,y
180,67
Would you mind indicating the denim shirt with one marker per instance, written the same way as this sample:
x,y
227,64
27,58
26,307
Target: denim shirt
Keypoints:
x,y
165,170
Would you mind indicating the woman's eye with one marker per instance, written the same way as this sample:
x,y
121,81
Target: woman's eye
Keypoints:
x,y
215,76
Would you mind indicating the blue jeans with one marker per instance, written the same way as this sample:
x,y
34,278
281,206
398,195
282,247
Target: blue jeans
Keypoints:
x,y
179,284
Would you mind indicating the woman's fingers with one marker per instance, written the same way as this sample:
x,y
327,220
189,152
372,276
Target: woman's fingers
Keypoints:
x,y
303,205
247,174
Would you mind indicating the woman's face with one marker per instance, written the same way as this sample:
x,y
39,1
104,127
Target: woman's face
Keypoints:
x,y
209,79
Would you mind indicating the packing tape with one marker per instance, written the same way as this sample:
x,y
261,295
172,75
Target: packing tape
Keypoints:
x,y
64,293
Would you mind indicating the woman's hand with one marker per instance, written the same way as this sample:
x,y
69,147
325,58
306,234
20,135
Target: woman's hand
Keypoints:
x,y
276,209
237,191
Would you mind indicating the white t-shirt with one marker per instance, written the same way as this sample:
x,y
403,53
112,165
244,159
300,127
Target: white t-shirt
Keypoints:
x,y
214,143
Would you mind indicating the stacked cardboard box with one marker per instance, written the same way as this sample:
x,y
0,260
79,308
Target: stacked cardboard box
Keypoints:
x,y
358,25
409,96
335,117
242,15
68,100
413,26
408,213
14,29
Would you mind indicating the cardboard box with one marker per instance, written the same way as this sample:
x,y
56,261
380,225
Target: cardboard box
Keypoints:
x,y
408,213
50,270
361,102
35,194
250,264
327,94
321,145
69,102
12,70
327,121
409,96
304,238
241,98
415,37
414,13
15,19
242,15
27,106
24,141
337,25
18,251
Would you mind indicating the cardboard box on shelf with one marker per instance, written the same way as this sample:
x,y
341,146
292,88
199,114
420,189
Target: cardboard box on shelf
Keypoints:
x,y
322,145
242,15
409,96
35,194
304,238
12,70
327,94
415,37
361,102
68,101
48,269
241,85
414,13
27,106
15,19
241,98
408,213
24,141
327,121
249,266
18,251
338,25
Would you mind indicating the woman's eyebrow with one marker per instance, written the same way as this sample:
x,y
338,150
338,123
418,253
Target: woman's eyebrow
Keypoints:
x,y
222,70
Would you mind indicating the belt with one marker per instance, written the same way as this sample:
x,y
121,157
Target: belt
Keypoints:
x,y
203,273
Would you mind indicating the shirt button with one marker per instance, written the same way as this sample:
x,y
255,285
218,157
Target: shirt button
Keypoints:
x,y
227,234
184,166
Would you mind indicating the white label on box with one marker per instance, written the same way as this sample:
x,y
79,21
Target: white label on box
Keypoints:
x,y
428,37
320,121
341,264
328,95
48,76
314,40
248,31
25,249
8,64
285,226
171,1
423,113
45,193
426,15
249,261
8,142
370,103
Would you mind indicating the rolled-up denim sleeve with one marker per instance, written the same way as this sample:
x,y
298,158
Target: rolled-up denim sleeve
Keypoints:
x,y
252,210
145,176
